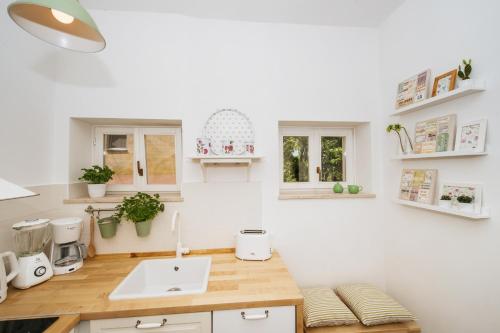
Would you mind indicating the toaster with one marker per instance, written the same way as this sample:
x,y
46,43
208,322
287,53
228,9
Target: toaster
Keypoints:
x,y
253,245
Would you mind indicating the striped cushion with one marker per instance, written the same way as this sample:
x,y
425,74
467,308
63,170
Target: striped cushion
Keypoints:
x,y
323,308
371,305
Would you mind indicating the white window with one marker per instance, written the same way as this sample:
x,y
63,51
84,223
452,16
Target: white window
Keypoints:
x,y
143,158
312,157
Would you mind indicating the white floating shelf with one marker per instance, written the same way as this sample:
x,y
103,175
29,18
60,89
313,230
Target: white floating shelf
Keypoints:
x,y
474,87
473,216
225,160
444,154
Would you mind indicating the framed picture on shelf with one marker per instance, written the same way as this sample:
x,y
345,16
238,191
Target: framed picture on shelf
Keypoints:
x,y
465,197
471,136
418,185
413,89
435,135
444,83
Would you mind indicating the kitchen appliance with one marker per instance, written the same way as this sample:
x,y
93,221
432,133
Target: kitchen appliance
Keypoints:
x,y
253,244
5,278
33,325
66,253
30,238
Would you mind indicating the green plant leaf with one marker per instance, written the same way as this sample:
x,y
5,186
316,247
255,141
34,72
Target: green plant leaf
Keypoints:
x,y
97,175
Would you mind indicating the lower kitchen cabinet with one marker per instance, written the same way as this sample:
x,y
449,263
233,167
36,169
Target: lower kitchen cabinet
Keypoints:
x,y
262,320
179,323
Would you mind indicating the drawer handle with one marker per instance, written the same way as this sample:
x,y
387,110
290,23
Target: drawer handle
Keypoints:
x,y
140,325
255,317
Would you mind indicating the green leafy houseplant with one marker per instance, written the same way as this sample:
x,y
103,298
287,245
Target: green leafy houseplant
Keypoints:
x,y
97,175
445,197
141,209
396,128
465,73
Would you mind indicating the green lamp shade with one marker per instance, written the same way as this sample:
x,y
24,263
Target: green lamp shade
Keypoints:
x,y
64,23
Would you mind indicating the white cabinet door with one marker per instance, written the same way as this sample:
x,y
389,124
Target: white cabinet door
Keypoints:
x,y
262,320
181,323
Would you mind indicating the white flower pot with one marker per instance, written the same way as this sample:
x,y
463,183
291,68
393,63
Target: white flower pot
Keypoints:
x,y
97,190
466,207
445,204
462,84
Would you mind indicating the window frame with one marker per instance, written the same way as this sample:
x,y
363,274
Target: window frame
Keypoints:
x,y
139,132
314,135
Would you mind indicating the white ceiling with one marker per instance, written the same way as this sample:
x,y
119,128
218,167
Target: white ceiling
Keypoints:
x,y
365,13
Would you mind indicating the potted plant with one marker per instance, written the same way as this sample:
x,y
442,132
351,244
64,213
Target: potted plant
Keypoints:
x,y
445,201
465,73
141,209
465,203
396,128
108,226
96,179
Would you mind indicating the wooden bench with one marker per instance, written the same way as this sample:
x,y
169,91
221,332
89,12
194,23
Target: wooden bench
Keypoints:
x,y
407,327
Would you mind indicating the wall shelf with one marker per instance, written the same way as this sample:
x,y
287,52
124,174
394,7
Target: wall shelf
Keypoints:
x,y
444,154
473,216
226,160
474,87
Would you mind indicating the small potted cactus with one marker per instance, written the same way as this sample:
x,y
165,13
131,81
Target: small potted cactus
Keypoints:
x,y
445,201
464,74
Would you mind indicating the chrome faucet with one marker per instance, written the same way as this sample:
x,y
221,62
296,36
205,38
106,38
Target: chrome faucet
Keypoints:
x,y
179,250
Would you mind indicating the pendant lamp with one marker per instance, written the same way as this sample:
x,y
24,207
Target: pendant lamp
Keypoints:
x,y
64,23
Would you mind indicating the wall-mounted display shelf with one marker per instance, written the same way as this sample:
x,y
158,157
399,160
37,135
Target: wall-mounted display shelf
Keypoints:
x,y
225,160
321,194
444,154
474,87
473,216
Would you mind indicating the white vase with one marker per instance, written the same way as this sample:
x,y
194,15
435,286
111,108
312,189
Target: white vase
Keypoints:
x,y
462,84
97,190
445,204
466,207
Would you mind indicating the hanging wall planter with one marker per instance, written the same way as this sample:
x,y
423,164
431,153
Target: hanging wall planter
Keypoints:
x,y
141,209
108,226
143,229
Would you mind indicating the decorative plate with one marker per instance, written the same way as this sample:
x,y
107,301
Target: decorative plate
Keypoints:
x,y
226,126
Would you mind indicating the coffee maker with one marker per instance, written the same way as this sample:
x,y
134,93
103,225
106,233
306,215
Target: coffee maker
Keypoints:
x,y
66,253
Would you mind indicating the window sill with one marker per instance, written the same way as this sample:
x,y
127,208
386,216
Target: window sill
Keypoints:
x,y
118,198
321,194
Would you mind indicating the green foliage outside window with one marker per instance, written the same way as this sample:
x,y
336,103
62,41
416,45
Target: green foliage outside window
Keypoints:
x,y
295,159
332,159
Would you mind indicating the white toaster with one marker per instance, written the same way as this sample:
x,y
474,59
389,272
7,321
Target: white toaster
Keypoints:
x,y
253,245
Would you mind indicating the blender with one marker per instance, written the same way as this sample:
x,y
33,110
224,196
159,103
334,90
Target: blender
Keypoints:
x,y
30,238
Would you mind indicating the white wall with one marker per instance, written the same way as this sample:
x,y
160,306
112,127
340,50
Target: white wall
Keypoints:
x,y
26,98
171,67
445,269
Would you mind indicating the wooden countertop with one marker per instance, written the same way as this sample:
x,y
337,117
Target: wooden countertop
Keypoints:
x,y
232,284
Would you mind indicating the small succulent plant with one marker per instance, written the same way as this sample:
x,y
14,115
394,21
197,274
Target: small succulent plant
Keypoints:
x,y
465,199
465,73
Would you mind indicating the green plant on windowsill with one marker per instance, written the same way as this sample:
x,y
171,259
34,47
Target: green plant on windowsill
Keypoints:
x,y
141,209
97,175
396,128
445,197
96,178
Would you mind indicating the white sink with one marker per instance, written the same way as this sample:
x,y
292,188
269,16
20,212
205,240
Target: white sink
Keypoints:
x,y
164,278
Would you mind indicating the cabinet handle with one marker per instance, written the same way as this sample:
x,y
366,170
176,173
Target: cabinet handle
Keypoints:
x,y
140,325
256,316
140,170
